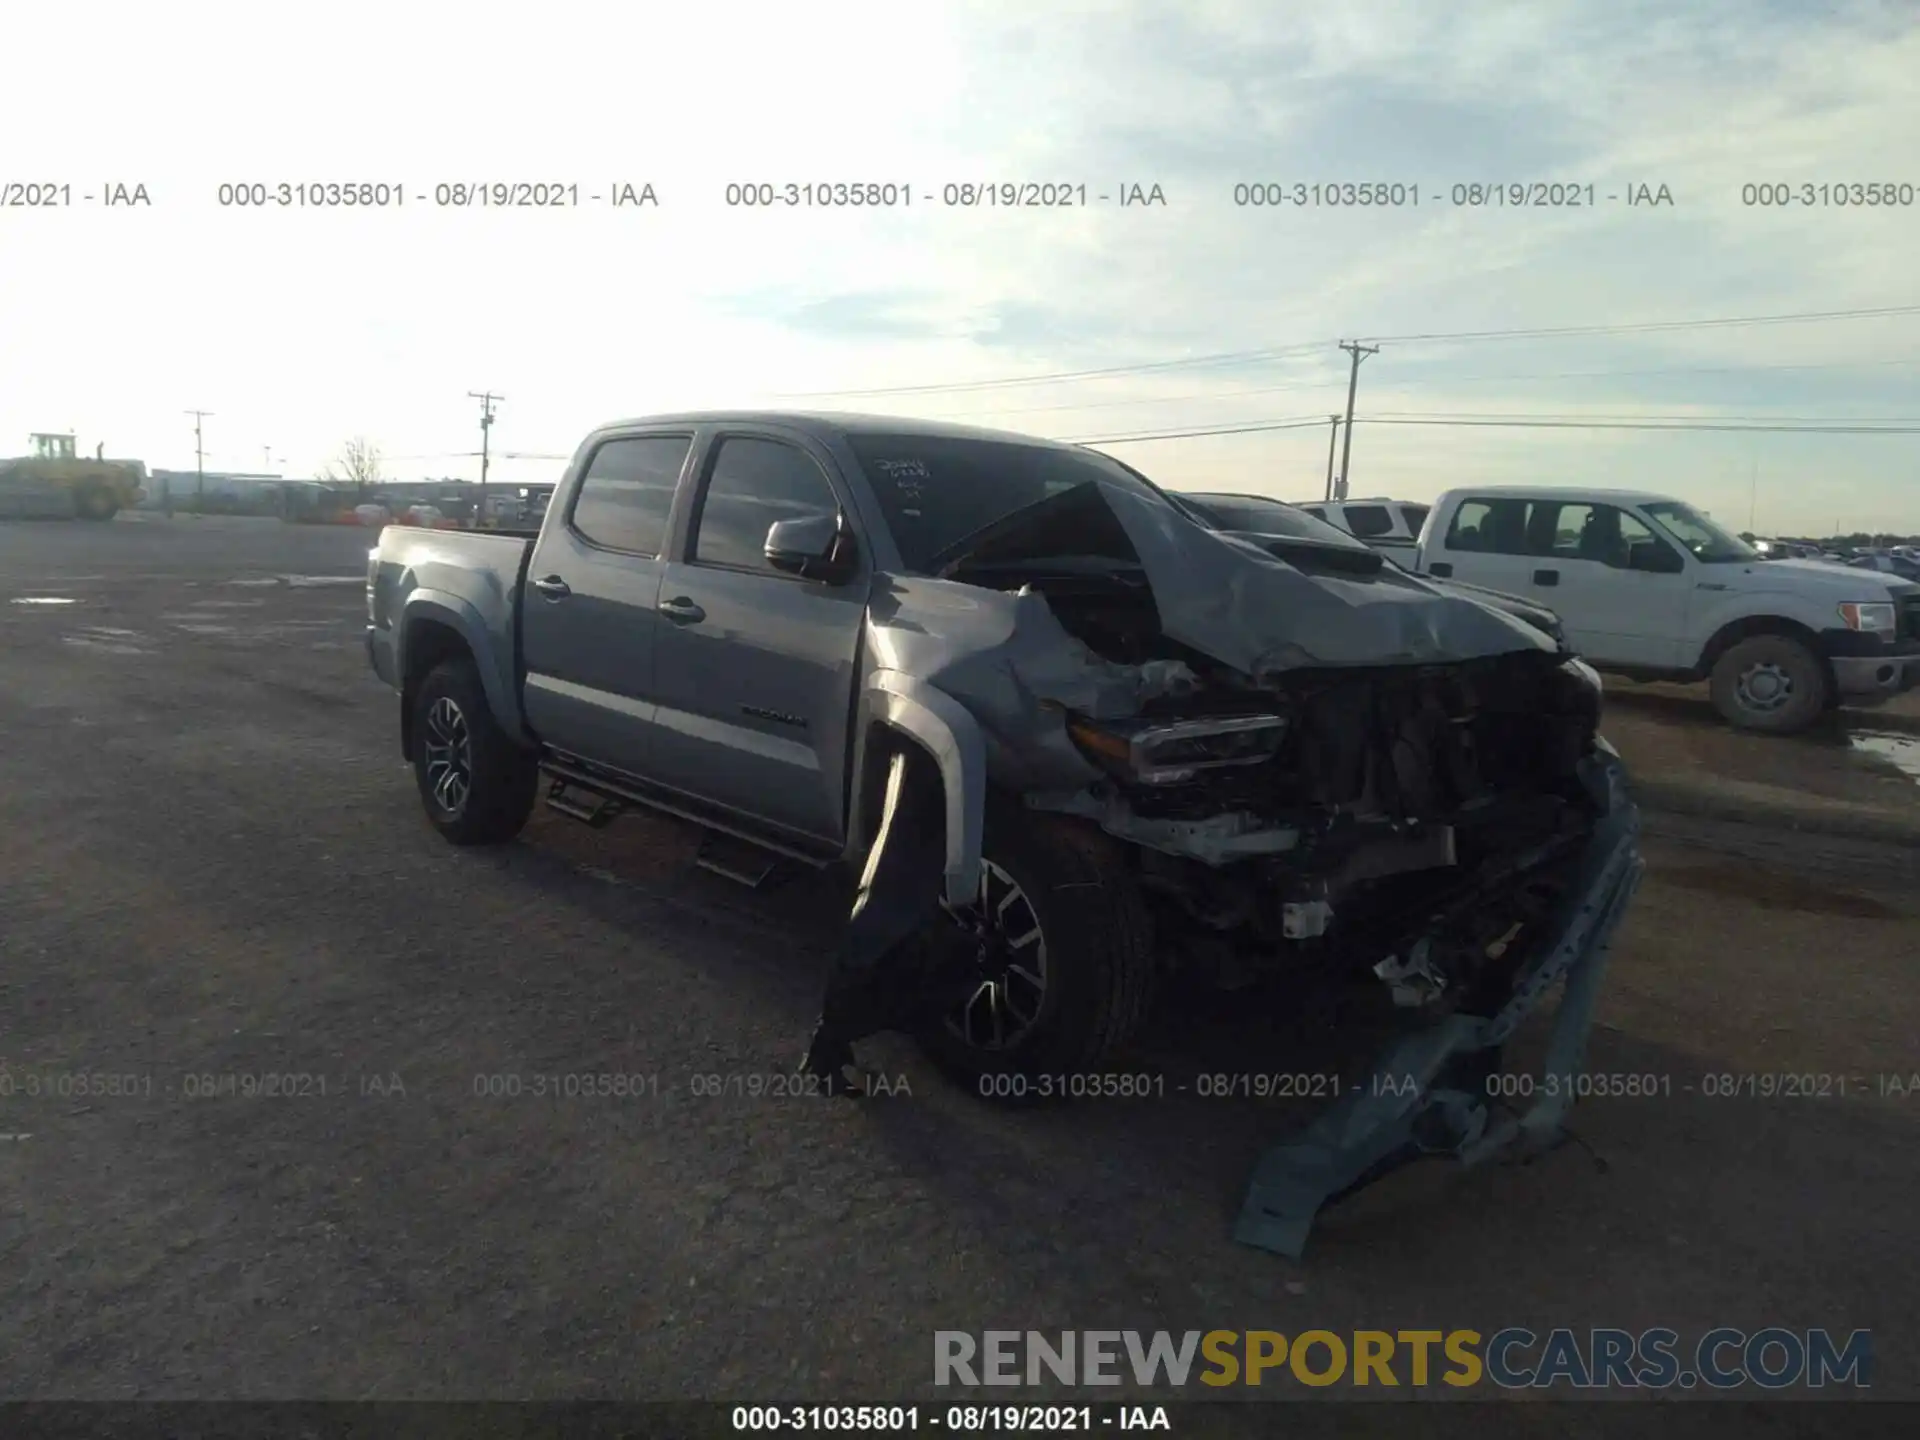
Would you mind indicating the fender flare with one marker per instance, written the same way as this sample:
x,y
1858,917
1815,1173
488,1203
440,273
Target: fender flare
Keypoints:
x,y
944,728
464,619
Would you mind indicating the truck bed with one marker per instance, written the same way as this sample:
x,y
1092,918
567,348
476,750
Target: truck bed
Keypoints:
x,y
466,582
514,532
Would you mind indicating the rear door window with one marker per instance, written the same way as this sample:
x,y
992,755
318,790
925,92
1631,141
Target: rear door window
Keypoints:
x,y
1492,527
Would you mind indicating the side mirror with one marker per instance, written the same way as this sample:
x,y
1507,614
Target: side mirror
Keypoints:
x,y
1654,558
814,547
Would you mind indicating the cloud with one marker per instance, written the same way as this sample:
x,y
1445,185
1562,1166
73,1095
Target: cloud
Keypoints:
x,y
299,328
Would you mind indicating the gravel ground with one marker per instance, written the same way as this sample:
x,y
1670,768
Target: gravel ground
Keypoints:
x,y
212,862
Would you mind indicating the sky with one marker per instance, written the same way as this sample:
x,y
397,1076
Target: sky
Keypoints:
x,y
299,328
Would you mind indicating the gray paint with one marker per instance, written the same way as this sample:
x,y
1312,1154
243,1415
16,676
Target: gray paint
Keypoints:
x,y
982,678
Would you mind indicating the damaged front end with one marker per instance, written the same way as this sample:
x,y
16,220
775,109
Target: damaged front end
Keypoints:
x,y
1311,778
1459,834
1428,1094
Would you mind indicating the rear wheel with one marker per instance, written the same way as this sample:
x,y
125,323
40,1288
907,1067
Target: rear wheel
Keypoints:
x,y
96,503
1061,958
1770,683
478,787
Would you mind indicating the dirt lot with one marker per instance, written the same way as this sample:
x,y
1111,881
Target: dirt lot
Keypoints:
x,y
212,861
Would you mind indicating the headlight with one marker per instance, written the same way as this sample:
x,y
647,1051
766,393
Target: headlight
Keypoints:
x,y
1169,754
1875,617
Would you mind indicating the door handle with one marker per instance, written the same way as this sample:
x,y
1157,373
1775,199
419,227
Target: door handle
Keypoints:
x,y
1546,577
683,610
553,587
1442,568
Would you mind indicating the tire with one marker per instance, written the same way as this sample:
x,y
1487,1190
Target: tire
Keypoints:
x,y
1772,684
95,503
477,786
1095,951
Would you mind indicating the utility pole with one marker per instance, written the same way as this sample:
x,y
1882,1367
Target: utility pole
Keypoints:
x,y
1333,437
199,462
1358,351
486,399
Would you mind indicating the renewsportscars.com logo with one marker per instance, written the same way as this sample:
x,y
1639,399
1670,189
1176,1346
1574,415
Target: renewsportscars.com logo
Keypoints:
x,y
1513,1359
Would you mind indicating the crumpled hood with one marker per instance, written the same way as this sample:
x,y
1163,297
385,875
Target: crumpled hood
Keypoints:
x,y
1234,602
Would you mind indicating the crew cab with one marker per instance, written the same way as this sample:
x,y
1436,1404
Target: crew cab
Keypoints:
x,y
1072,740
1649,587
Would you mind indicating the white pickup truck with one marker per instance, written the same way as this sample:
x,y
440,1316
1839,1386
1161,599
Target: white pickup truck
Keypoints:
x,y
1649,587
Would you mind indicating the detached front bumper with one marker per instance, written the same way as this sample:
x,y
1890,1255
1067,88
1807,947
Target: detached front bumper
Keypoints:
x,y
1403,1110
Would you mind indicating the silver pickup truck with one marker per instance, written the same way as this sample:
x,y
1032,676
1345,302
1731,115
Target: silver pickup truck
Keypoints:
x,y
1073,739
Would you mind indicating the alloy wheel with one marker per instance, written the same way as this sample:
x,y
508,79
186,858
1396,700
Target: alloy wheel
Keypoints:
x,y
1010,959
449,755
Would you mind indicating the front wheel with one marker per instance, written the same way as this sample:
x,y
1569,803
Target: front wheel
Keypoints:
x,y
478,787
95,503
1773,684
1058,953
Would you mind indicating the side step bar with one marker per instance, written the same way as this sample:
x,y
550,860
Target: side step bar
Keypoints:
x,y
737,860
744,859
589,807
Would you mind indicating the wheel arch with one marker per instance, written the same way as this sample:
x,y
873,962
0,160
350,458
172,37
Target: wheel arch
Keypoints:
x,y
1748,626
896,710
434,627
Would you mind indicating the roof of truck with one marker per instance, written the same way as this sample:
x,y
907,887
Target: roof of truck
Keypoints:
x,y
1572,493
837,422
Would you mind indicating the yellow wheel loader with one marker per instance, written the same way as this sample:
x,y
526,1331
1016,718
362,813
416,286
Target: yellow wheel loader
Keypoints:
x,y
54,483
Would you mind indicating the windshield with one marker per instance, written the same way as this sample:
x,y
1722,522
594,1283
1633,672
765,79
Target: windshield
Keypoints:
x,y
1256,515
936,490
1704,540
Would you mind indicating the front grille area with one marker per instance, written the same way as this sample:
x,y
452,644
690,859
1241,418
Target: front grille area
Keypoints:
x,y
1908,626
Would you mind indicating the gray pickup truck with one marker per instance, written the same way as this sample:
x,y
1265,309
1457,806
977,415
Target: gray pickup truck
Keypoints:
x,y
1074,739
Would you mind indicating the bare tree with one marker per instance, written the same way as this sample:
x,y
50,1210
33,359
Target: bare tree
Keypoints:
x,y
358,465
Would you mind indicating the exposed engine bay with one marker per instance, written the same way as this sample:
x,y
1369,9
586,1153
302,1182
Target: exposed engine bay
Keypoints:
x,y
1324,820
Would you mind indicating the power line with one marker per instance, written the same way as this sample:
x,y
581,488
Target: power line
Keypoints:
x,y
1384,416
1652,326
1247,357
1254,427
1843,427
1836,427
1138,402
1432,337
